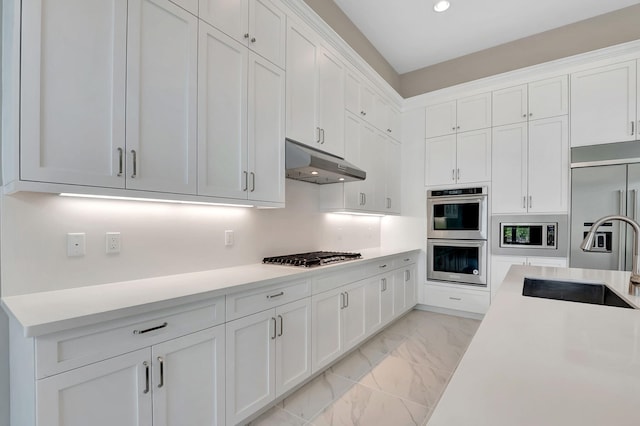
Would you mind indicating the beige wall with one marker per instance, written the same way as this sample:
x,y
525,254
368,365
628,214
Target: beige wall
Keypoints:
x,y
341,24
601,31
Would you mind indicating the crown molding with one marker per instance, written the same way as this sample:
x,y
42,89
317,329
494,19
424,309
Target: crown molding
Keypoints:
x,y
329,36
583,61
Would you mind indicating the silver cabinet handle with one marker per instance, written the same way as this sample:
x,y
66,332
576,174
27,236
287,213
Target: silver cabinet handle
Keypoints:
x,y
161,361
407,275
524,202
458,128
253,181
120,155
389,130
382,266
455,298
273,296
453,128
146,377
342,305
453,174
322,132
318,138
530,201
388,202
135,163
524,115
632,128
281,325
273,336
246,35
458,174
363,113
253,39
246,180
346,303
158,327
530,114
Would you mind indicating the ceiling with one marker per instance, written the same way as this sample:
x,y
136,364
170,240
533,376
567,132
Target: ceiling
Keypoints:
x,y
410,35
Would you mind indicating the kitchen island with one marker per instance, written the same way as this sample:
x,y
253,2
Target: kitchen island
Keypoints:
x,y
538,361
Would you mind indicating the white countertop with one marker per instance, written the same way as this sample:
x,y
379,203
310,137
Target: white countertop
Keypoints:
x,y
536,362
51,311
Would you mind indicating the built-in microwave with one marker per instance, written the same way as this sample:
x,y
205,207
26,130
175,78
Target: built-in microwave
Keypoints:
x,y
529,235
458,261
457,213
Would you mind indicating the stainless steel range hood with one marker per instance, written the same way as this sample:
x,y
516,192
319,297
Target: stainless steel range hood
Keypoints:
x,y
310,165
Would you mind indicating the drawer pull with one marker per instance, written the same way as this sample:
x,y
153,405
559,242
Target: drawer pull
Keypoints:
x,y
455,298
163,325
407,259
146,377
272,296
382,266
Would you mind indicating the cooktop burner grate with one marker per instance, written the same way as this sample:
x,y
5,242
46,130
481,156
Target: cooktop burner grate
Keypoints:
x,y
314,258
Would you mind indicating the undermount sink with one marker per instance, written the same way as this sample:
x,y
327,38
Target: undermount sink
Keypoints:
x,y
573,291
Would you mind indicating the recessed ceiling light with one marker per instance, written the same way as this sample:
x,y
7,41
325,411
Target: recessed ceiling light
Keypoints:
x,y
314,173
441,6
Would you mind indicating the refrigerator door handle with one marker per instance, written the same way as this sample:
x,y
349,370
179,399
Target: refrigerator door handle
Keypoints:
x,y
635,204
621,238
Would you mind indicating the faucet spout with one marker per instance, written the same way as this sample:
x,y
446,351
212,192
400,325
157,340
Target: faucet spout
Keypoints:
x,y
587,245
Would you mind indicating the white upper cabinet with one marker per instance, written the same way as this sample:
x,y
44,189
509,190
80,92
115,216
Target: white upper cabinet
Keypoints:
x,y
457,159
162,74
241,121
463,115
603,105
189,5
530,167
73,92
258,24
315,92
533,101
393,173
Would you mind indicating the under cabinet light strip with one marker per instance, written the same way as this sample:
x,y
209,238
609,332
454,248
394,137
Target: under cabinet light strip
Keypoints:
x,y
155,200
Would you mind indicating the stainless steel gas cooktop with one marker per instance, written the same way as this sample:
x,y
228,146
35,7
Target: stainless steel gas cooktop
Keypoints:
x,y
314,258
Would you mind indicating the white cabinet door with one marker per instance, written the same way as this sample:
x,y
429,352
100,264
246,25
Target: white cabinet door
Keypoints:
x,y
440,161
189,380
386,298
352,92
393,176
474,156
266,123
293,344
500,266
250,358
326,328
510,105
73,92
354,314
474,112
548,165
189,5
162,72
229,16
548,98
370,158
330,103
410,286
603,105
372,308
509,169
395,124
222,124
367,102
267,31
558,262
302,96
399,289
112,392
441,119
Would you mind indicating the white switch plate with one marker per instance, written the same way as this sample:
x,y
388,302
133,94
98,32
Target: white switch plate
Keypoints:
x,y
75,244
113,242
228,238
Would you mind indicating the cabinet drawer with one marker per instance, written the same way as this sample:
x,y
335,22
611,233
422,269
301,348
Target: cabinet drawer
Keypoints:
x,y
69,349
406,259
460,300
337,279
252,301
382,266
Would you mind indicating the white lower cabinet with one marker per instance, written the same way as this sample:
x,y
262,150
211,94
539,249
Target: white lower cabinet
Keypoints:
x,y
338,322
178,382
500,266
267,354
459,299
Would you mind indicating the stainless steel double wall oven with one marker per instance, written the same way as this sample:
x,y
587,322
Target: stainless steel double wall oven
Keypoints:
x,y
457,235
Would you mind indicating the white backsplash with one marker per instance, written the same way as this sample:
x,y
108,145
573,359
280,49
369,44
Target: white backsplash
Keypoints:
x,y
160,238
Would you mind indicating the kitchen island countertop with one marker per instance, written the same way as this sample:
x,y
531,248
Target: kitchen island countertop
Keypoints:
x,y
537,361
52,311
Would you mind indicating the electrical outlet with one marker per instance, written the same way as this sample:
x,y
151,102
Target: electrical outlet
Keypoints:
x,y
113,242
75,244
228,238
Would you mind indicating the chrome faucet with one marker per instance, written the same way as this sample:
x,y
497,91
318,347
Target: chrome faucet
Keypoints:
x,y
587,245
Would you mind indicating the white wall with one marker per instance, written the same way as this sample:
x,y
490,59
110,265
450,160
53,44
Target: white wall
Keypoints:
x,y
160,239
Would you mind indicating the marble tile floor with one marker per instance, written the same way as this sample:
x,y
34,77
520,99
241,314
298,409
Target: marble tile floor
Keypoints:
x,y
395,378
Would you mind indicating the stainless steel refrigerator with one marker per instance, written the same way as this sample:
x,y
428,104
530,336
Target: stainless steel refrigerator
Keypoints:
x,y
597,191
